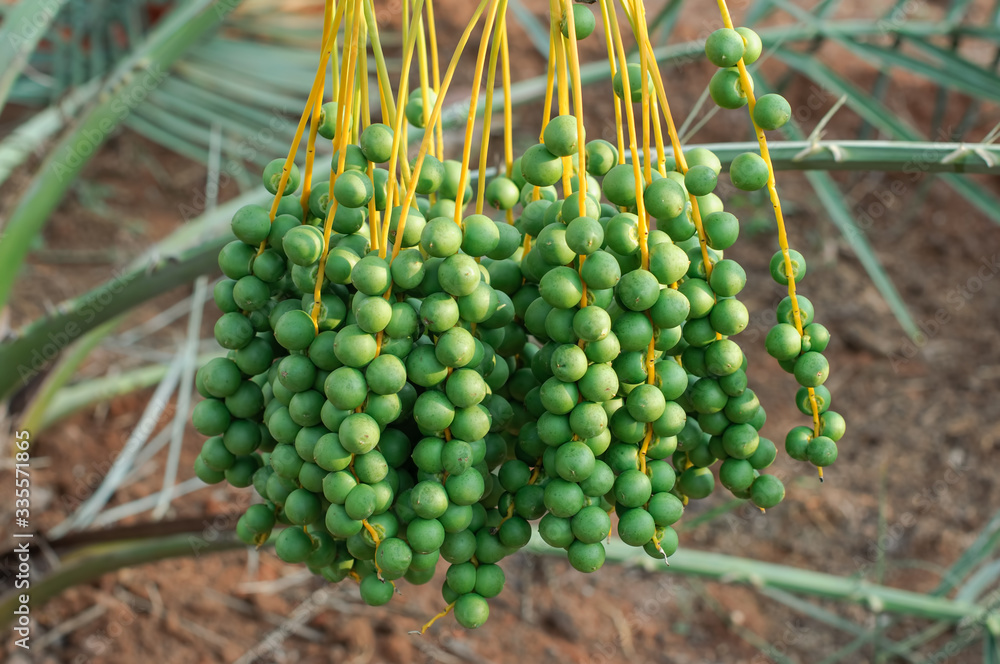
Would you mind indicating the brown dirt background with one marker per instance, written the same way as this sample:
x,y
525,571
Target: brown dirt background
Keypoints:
x,y
923,432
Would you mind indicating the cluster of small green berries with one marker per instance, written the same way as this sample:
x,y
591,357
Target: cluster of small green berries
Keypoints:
x,y
609,438
724,48
490,378
802,356
373,435
798,353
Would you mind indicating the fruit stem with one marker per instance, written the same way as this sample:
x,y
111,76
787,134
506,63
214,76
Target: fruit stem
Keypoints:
x,y
374,218
508,515
656,543
346,99
378,541
388,104
508,118
555,35
637,11
630,117
422,70
388,111
399,152
433,620
435,74
574,72
508,123
470,125
425,142
675,143
661,165
550,74
372,532
772,189
314,120
614,69
314,92
645,447
491,77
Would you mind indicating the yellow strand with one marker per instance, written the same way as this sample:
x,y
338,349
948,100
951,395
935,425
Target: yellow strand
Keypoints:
x,y
435,75
364,107
433,620
574,71
384,102
410,33
398,148
647,176
661,166
425,143
388,112
562,87
314,92
470,124
491,76
314,120
630,117
640,178
550,74
425,84
310,157
345,101
675,142
335,55
614,70
647,439
507,516
372,532
378,540
356,128
508,130
406,27
637,13
381,70
373,213
776,204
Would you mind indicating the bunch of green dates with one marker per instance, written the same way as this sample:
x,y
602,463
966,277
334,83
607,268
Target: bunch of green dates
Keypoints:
x,y
475,382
